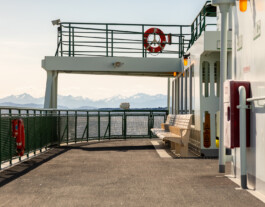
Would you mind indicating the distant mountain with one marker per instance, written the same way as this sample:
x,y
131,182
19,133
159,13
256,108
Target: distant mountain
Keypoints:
x,y
137,101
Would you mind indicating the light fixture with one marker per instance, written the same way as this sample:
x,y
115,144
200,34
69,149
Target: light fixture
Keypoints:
x,y
185,59
175,74
56,22
243,5
117,64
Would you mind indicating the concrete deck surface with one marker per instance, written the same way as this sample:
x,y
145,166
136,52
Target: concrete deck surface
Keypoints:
x,y
118,173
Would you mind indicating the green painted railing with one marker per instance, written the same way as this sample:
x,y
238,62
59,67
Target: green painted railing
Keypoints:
x,y
47,128
112,39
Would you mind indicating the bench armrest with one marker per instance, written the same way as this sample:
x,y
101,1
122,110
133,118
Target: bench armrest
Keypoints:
x,y
177,130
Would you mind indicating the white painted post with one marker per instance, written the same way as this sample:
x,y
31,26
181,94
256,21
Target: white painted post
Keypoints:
x,y
173,97
224,6
51,90
168,95
177,96
243,157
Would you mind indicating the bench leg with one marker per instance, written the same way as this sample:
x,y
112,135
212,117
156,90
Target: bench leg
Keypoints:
x,y
184,151
172,145
177,148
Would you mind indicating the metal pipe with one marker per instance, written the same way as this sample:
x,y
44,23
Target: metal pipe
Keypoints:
x,y
243,157
256,99
224,8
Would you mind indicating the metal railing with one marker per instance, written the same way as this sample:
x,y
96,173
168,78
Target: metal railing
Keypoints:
x,y
202,21
46,128
112,40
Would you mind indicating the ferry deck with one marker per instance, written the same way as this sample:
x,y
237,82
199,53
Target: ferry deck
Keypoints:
x,y
111,157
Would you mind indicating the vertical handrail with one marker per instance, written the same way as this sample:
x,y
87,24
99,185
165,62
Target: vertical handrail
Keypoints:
x,y
243,137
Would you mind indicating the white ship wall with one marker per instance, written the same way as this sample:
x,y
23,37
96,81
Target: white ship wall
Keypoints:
x,y
249,65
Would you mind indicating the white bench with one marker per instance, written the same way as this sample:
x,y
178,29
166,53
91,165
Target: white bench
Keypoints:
x,y
178,134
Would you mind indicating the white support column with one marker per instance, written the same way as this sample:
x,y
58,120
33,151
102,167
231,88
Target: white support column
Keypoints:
x,y
173,96
168,95
181,94
177,96
190,83
51,90
224,6
186,93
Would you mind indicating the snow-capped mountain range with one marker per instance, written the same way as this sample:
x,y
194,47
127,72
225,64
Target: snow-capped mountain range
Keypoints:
x,y
136,101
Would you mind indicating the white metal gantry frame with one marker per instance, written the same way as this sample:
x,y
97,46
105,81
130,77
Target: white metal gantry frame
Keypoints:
x,y
131,66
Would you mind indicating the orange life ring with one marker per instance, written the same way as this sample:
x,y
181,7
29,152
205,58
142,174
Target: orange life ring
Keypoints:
x,y
161,44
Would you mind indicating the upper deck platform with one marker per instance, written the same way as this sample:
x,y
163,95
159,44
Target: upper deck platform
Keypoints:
x,y
126,49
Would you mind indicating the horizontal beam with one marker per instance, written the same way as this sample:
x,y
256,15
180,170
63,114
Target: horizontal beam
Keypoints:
x,y
164,67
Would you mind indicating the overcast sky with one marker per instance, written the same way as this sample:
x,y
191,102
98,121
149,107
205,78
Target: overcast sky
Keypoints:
x,y
27,35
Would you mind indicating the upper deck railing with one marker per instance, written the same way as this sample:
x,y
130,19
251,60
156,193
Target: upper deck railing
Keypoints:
x,y
127,40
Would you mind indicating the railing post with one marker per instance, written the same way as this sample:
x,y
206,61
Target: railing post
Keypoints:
x,y
34,130
69,53
150,123
179,45
0,138
204,18
59,127
125,125
181,49
75,126
109,124
87,124
192,33
196,28
61,28
200,23
19,114
67,125
73,41
143,41
107,40
47,119
41,128
98,126
10,137
112,52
